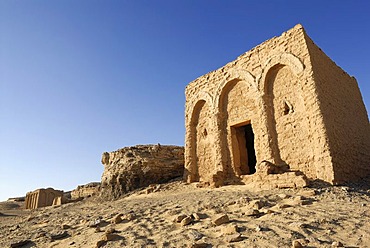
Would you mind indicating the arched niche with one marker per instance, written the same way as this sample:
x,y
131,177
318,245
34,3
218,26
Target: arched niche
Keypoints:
x,y
230,76
276,61
286,115
200,141
200,96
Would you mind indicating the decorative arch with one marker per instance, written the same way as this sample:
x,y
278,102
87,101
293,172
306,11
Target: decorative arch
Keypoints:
x,y
244,75
230,77
200,96
284,107
197,168
283,59
242,85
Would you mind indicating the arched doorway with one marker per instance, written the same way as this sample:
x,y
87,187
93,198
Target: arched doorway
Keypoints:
x,y
237,136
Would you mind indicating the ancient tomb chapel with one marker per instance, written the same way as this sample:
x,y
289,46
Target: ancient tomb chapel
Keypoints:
x,y
43,198
284,102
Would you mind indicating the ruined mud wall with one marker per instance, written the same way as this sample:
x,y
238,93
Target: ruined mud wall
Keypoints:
x,y
139,166
235,110
204,140
41,198
303,109
270,87
345,117
86,190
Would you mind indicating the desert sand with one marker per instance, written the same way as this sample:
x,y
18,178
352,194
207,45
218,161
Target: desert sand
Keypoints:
x,y
178,214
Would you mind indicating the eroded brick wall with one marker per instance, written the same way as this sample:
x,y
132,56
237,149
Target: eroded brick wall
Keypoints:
x,y
41,198
345,117
273,88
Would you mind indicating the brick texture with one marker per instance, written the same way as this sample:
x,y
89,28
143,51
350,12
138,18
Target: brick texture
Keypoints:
x,y
305,112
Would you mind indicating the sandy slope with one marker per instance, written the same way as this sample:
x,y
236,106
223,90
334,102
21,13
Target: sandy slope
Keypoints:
x,y
316,217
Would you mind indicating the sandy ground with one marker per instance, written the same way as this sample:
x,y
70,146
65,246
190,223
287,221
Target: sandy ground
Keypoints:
x,y
319,216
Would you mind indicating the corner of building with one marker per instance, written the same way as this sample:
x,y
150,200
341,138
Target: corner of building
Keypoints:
x,y
343,118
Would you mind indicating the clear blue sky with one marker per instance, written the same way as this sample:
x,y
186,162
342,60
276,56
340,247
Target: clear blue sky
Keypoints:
x,y
80,77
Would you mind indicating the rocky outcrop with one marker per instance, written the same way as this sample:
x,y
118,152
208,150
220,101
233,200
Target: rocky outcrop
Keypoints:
x,y
139,166
86,190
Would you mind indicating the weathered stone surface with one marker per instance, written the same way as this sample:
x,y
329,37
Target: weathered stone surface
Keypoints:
x,y
117,219
186,221
140,166
220,219
199,244
308,192
257,204
110,237
110,230
20,243
296,244
198,216
282,105
291,179
100,243
258,228
58,201
236,237
86,190
195,235
65,226
153,188
252,212
337,244
128,217
229,229
180,217
267,168
58,235
97,223
301,200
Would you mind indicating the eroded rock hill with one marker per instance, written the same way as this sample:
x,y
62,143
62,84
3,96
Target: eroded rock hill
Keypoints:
x,y
86,190
138,166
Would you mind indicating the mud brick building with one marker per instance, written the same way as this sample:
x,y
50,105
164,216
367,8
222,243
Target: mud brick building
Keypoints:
x,y
41,198
284,102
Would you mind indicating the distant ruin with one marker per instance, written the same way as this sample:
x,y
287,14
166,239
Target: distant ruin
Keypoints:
x,y
43,198
86,190
280,113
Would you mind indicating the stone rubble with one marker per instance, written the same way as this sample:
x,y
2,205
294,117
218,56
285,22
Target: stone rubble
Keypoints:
x,y
186,221
157,219
220,219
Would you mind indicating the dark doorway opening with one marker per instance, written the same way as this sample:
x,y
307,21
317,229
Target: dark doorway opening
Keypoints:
x,y
249,137
246,153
